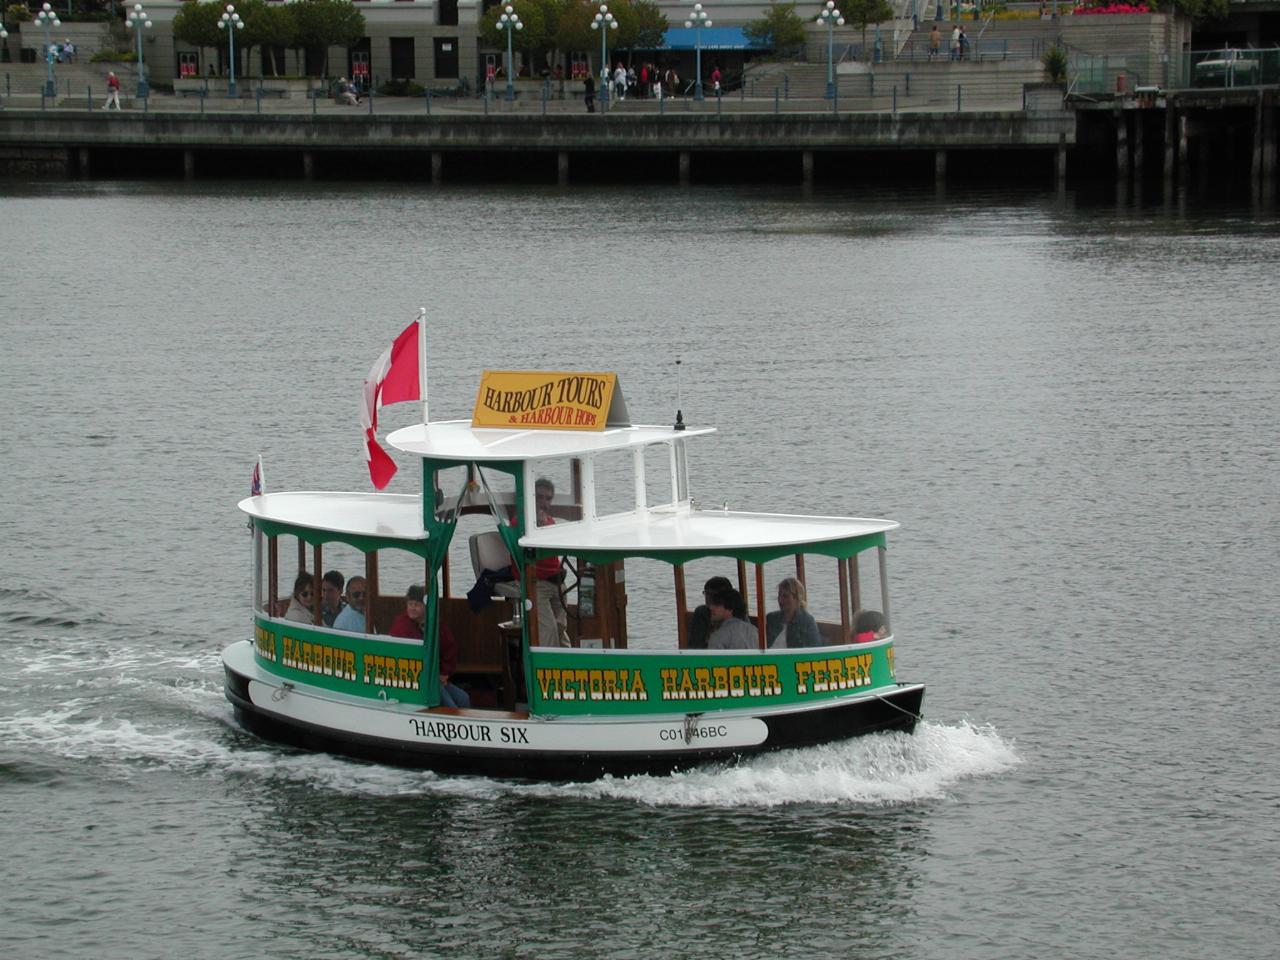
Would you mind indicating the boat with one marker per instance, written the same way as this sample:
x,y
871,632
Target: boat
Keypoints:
x,y
623,697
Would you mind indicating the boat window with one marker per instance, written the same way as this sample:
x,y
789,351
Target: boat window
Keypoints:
x,y
615,482
657,474
564,474
450,484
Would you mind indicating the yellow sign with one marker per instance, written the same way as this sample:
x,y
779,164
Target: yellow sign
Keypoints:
x,y
538,400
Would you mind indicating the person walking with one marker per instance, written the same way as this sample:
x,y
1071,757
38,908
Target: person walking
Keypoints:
x,y
113,91
589,93
935,42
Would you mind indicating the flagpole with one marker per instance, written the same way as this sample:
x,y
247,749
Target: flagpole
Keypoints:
x,y
262,477
422,359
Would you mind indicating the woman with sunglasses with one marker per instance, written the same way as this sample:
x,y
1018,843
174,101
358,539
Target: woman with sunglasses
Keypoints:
x,y
300,607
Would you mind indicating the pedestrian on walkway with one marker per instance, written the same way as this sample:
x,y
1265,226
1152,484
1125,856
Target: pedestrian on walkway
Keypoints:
x,y
589,93
935,42
113,91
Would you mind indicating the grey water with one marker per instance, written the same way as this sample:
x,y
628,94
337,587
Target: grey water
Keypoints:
x,y
1071,408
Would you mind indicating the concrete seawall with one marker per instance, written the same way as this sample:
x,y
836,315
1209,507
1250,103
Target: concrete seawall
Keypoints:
x,y
83,136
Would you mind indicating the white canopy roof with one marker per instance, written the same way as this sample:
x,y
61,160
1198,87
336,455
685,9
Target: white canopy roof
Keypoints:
x,y
392,515
458,440
699,530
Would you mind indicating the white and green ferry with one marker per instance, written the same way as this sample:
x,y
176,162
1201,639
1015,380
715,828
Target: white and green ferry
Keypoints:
x,y
622,698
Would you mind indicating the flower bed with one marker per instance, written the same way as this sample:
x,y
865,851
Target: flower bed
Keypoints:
x,y
1111,8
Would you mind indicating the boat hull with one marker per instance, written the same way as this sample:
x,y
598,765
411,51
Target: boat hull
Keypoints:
x,y
502,745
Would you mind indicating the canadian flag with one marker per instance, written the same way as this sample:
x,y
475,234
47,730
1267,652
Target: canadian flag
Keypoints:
x,y
396,376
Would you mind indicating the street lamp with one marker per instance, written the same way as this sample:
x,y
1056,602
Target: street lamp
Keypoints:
x,y
697,20
231,22
138,21
510,21
48,19
831,17
604,22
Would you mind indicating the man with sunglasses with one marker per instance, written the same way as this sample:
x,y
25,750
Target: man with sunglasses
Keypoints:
x,y
351,617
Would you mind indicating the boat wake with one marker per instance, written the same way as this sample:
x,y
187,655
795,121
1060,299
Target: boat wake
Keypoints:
x,y
882,770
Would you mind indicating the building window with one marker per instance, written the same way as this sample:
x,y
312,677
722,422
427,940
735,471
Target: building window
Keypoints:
x,y
446,58
188,65
447,11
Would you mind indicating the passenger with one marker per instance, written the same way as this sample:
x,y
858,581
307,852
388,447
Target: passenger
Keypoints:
x,y
409,622
351,617
300,607
553,619
729,632
331,596
791,625
700,624
869,625
411,625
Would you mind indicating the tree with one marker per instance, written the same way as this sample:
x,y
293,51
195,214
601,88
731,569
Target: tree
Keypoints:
x,y
651,25
328,23
269,25
197,24
779,28
859,13
1200,10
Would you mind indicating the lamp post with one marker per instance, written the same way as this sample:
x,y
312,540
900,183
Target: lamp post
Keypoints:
x,y
231,22
697,20
604,22
138,21
510,21
48,19
831,17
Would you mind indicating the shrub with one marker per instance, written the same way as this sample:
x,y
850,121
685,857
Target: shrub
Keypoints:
x,y
401,88
1056,64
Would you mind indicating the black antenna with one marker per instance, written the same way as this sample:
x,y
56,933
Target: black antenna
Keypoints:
x,y
679,424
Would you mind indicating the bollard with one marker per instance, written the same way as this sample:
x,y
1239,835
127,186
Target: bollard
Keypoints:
x,y
202,96
7,91
88,96
957,98
908,84
895,98
786,86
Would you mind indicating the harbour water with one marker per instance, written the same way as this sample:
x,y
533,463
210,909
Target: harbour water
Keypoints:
x,y
1070,407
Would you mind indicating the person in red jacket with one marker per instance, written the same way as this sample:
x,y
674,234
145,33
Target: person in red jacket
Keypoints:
x,y
410,625
113,92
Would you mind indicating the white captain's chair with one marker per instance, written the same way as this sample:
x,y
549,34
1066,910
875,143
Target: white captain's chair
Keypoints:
x,y
488,552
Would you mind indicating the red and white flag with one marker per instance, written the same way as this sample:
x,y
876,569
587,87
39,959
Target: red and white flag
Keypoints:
x,y
396,376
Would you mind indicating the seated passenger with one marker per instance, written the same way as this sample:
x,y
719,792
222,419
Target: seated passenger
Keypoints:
x,y
791,625
300,606
869,625
351,616
728,631
410,625
331,596
700,623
